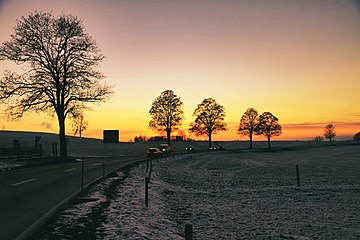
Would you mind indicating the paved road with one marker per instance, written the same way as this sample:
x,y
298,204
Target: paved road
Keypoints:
x,y
27,194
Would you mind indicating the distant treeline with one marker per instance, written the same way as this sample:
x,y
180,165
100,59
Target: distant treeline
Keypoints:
x,y
143,138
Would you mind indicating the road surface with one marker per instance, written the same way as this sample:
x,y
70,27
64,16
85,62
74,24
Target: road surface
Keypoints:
x,y
27,194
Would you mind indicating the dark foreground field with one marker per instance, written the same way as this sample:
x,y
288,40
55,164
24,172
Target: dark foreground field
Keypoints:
x,y
224,195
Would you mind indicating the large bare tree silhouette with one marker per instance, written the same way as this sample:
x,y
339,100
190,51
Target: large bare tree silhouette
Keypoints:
x,y
329,132
59,60
166,113
268,125
248,123
209,119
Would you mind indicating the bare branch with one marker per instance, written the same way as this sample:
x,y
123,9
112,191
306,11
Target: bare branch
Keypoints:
x,y
61,60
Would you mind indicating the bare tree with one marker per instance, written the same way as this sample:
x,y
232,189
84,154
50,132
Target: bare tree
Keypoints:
x,y
318,139
209,119
166,113
181,135
329,132
60,75
248,124
78,123
140,138
268,125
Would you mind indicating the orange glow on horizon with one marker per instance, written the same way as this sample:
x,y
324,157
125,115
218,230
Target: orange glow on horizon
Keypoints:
x,y
289,132
344,132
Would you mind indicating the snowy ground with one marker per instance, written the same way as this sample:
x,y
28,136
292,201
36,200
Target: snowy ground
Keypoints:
x,y
6,165
224,195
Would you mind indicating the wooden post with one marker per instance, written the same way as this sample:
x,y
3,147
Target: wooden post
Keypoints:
x,y
82,173
40,150
146,191
147,164
54,149
150,170
18,151
188,232
297,175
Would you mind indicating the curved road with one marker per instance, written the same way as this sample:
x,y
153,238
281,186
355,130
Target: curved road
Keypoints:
x,y
28,194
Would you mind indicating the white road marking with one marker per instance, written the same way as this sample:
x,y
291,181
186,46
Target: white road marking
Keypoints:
x,y
22,182
71,169
95,164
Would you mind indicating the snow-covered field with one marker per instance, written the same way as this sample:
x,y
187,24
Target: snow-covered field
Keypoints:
x,y
224,195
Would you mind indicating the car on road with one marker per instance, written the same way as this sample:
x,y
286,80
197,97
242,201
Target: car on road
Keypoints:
x,y
217,148
189,149
165,148
154,153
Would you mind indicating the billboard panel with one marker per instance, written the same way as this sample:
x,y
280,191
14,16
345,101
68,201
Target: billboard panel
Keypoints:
x,y
111,136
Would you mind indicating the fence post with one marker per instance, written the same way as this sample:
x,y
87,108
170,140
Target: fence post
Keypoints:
x,y
188,232
18,151
54,148
297,175
150,170
146,191
40,150
147,164
82,173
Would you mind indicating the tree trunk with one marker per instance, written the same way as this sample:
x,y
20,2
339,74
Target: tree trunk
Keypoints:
x,y
269,142
250,141
209,141
168,134
62,137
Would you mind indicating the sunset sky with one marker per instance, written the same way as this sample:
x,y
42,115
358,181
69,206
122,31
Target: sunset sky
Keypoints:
x,y
299,60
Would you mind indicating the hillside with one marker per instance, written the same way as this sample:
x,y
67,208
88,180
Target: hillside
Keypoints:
x,y
90,147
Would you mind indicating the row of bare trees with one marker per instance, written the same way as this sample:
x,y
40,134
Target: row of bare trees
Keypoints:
x,y
266,124
60,77
167,114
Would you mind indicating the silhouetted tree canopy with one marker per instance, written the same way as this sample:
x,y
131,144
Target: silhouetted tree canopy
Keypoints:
x,y
180,136
248,123
329,132
357,137
318,139
140,138
166,113
268,126
209,119
59,59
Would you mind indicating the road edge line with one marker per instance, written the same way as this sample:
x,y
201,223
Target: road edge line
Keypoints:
x,y
33,227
